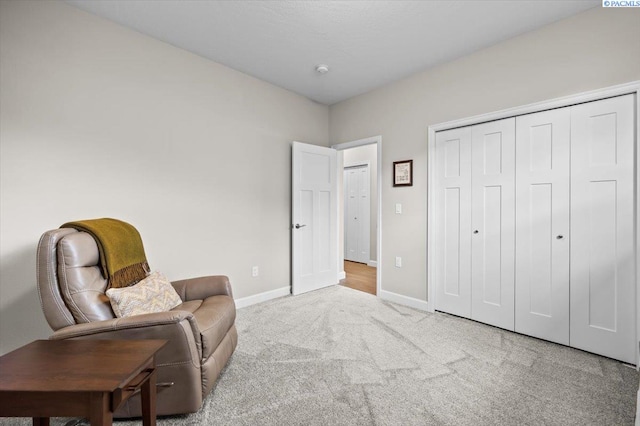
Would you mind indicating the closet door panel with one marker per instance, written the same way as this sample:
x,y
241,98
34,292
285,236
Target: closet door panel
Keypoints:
x,y
351,251
542,225
603,290
356,214
364,218
453,222
493,222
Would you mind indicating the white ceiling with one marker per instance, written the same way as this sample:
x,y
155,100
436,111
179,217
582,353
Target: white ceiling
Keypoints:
x,y
366,44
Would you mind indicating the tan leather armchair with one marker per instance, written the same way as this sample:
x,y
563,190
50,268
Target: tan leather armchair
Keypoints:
x,y
201,331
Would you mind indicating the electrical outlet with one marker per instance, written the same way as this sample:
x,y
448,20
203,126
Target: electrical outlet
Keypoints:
x,y
398,262
254,271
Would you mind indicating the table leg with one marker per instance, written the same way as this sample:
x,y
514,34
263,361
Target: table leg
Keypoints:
x,y
149,400
100,411
41,421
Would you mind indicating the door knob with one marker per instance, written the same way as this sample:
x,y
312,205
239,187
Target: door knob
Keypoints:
x,y
298,226
476,231
559,237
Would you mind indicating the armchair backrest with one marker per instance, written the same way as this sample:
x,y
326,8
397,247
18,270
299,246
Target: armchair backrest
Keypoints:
x,y
70,282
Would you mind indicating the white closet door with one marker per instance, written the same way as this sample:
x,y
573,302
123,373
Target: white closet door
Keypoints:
x,y
542,225
493,222
602,228
350,215
364,218
357,214
453,221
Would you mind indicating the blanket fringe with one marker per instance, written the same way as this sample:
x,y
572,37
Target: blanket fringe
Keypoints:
x,y
129,275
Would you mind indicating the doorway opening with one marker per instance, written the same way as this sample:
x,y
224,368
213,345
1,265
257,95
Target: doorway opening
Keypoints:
x,y
359,276
359,206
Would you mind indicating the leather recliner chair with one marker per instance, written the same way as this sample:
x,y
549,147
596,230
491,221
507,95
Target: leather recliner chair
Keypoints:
x,y
201,331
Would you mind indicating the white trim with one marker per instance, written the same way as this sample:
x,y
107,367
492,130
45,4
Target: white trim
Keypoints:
x,y
637,422
342,275
262,297
356,165
360,142
372,263
431,218
636,86
404,300
593,95
369,141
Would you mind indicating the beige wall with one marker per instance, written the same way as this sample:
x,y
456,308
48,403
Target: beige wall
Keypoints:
x,y
97,120
354,157
595,49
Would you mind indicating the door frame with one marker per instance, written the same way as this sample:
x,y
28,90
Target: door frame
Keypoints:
x,y
593,95
354,144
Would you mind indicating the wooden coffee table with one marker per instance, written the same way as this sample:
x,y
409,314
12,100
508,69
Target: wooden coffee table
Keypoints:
x,y
84,378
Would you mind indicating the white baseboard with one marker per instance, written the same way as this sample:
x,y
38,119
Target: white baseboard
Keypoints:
x,y
342,275
262,297
638,409
404,300
372,263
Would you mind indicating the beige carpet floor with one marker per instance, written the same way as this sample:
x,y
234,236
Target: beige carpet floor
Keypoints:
x,y
338,356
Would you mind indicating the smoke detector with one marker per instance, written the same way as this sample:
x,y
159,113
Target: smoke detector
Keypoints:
x,y
322,69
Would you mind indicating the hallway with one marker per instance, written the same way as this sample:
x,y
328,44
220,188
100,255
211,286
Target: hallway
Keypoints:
x,y
359,277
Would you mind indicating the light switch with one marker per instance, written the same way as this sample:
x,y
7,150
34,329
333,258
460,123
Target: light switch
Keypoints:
x,y
398,208
398,262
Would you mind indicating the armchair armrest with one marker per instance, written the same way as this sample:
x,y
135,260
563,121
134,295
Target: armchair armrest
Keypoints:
x,y
203,287
121,324
178,327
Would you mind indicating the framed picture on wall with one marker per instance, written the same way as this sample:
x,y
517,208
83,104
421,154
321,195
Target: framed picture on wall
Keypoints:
x,y
403,173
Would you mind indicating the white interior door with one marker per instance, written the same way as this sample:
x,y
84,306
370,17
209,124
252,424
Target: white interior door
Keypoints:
x,y
493,222
315,218
453,221
602,228
542,225
357,219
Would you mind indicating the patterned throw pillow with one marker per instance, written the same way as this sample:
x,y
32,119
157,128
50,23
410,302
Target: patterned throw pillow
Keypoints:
x,y
153,294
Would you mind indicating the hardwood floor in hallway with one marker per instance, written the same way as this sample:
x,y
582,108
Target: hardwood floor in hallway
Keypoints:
x,y
359,277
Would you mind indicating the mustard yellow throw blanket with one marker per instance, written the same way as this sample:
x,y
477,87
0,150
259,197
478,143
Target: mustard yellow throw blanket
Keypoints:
x,y
121,252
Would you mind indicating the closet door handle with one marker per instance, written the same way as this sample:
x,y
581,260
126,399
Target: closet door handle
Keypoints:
x,y
476,231
559,237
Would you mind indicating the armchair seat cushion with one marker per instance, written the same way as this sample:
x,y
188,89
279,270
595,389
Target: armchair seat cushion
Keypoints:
x,y
189,306
215,316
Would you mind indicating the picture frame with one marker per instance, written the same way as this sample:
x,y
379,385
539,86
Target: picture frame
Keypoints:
x,y
403,173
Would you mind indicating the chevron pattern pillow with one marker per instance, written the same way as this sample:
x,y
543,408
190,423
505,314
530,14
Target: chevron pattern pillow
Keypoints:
x,y
153,294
